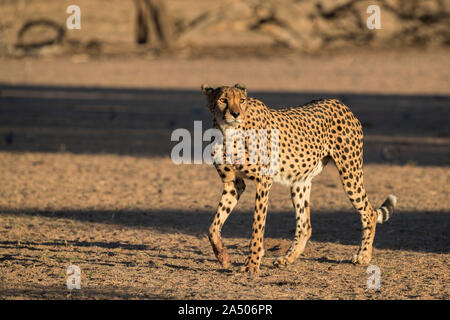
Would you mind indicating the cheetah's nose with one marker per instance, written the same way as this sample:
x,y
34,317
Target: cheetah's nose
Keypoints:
x,y
234,114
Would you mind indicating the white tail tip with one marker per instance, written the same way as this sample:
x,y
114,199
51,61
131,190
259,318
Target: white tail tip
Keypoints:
x,y
392,199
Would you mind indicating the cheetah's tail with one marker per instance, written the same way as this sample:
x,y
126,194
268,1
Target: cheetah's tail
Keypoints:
x,y
386,209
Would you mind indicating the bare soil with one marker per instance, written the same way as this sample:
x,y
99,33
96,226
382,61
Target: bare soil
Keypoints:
x,y
137,229
86,179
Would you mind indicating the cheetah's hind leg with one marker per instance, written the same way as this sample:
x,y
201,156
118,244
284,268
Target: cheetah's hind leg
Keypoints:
x,y
300,194
351,175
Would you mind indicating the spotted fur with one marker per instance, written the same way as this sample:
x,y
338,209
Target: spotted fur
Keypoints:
x,y
309,136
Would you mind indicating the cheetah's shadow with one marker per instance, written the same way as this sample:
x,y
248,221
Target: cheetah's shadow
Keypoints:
x,y
415,231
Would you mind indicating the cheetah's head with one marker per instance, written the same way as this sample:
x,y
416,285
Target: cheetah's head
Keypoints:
x,y
227,104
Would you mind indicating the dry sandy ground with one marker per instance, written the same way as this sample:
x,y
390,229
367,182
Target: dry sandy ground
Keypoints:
x,y
86,179
136,228
379,72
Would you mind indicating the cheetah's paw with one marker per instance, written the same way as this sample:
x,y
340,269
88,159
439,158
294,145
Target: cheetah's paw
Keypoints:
x,y
250,268
281,262
361,259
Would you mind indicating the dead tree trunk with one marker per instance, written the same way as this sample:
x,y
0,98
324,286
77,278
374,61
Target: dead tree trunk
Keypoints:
x,y
153,23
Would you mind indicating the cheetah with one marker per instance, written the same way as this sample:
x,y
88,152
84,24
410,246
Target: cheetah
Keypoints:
x,y
308,137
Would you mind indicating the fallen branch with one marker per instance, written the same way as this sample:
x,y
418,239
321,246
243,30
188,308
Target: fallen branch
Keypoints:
x,y
60,33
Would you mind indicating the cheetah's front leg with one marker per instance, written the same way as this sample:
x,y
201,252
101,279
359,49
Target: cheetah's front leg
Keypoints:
x,y
232,190
259,220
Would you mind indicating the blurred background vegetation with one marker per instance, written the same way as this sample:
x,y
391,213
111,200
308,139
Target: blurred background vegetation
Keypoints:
x,y
194,28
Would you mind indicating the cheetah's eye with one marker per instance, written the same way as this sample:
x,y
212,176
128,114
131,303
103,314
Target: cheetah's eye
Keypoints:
x,y
223,100
242,101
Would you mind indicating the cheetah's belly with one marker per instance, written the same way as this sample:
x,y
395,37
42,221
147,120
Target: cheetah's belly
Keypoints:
x,y
283,179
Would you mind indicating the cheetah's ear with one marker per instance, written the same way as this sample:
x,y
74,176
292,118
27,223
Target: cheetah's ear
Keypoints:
x,y
241,87
206,89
